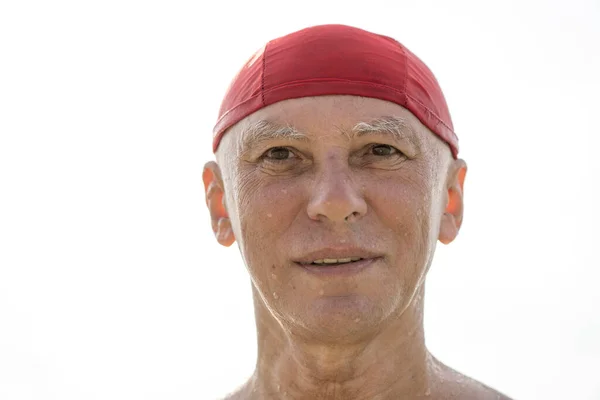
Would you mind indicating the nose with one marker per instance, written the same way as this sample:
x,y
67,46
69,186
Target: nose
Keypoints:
x,y
336,197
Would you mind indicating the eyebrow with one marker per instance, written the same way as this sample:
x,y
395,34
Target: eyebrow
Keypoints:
x,y
264,131
397,127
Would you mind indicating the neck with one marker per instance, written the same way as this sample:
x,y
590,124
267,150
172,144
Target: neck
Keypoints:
x,y
389,364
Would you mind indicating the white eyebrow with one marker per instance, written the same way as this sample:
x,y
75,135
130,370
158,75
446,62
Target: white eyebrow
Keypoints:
x,y
263,131
398,127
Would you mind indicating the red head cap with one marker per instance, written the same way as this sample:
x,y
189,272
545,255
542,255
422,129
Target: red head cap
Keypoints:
x,y
336,60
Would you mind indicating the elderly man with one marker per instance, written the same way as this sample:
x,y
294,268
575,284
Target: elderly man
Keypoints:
x,y
337,173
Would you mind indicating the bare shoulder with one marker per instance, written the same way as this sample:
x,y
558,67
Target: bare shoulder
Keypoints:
x,y
233,396
238,394
475,391
455,385
241,393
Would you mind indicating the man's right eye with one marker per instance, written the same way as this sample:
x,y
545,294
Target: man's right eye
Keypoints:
x,y
278,154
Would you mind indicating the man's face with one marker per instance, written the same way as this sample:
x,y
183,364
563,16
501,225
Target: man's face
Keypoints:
x,y
342,177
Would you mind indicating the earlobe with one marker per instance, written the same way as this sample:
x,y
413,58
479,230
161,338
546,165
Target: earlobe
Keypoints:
x,y
215,194
224,233
448,229
453,213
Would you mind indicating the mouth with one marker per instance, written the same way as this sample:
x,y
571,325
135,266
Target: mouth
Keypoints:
x,y
336,260
338,266
325,262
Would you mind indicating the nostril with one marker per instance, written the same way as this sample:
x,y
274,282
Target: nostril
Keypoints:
x,y
352,216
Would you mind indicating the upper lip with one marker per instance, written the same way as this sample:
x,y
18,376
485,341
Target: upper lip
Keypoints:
x,y
336,253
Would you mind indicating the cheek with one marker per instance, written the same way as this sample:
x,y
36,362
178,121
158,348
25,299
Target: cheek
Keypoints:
x,y
265,211
403,206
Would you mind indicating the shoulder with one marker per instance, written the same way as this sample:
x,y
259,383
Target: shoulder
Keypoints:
x,y
241,393
234,396
238,394
473,391
453,385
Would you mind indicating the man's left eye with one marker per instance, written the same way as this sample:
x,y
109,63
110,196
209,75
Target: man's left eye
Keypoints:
x,y
383,150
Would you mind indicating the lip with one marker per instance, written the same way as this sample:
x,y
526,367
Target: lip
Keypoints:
x,y
368,258
350,268
336,253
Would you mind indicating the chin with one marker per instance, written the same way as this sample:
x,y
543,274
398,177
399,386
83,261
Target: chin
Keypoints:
x,y
340,318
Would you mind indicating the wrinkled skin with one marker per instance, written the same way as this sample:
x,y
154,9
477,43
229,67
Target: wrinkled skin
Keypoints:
x,y
360,335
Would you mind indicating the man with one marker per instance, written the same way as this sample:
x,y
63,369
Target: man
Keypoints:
x,y
337,173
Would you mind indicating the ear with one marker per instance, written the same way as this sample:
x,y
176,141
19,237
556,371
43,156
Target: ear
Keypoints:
x,y
215,195
453,213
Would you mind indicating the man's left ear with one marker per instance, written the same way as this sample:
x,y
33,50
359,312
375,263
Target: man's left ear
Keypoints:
x,y
453,214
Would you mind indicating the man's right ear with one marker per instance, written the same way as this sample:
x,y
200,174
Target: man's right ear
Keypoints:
x,y
213,187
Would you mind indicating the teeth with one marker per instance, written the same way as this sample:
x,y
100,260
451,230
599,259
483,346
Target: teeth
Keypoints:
x,y
336,260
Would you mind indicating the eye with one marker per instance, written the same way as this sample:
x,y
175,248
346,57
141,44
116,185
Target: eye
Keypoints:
x,y
278,154
383,150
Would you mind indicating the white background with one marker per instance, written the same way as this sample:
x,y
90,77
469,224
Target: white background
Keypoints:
x,y
111,284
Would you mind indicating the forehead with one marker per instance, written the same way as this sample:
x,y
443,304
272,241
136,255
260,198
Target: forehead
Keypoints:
x,y
310,114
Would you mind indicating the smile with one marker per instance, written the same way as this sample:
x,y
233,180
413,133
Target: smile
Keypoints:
x,y
330,261
338,267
